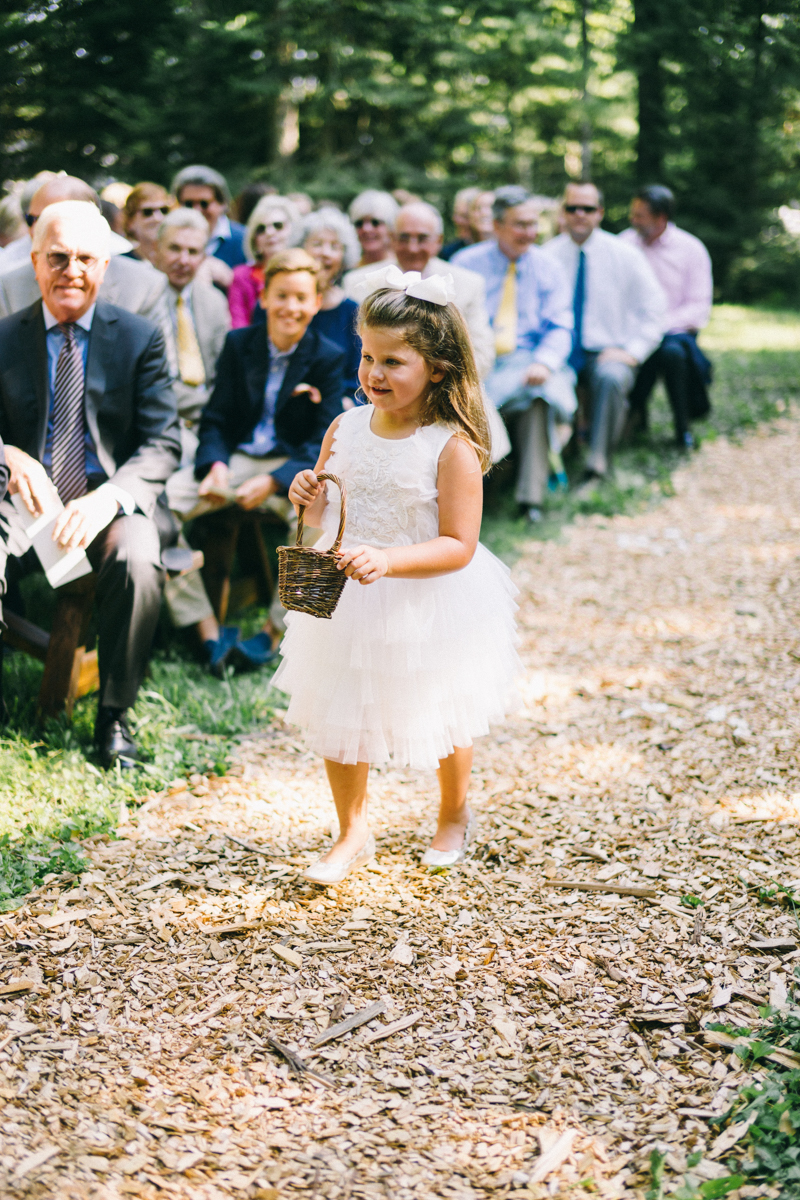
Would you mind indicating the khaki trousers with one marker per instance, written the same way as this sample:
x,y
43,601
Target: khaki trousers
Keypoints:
x,y
186,596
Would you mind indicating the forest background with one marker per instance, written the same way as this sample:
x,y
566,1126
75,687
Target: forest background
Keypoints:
x,y
331,96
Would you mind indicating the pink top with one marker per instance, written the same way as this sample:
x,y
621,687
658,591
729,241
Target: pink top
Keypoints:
x,y
682,266
248,280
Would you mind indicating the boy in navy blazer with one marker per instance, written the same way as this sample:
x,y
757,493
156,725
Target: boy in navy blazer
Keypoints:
x,y
276,392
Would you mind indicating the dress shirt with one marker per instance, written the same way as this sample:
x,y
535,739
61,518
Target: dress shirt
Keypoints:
x,y
544,298
263,441
55,340
623,305
222,231
682,266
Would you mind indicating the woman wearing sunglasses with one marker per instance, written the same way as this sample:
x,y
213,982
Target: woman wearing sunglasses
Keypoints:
x,y
269,230
145,208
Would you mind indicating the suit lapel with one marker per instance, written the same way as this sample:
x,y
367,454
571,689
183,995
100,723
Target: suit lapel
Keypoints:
x,y
101,350
295,372
255,368
33,338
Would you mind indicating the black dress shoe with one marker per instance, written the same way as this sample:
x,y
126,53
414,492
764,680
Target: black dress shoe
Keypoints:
x,y
113,739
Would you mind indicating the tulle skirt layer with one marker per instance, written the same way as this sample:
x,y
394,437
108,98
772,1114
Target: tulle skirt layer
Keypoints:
x,y
406,669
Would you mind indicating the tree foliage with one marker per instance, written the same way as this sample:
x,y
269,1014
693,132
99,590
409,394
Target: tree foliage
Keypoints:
x,y
334,95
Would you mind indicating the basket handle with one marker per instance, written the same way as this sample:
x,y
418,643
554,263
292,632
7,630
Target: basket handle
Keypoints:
x,y
342,513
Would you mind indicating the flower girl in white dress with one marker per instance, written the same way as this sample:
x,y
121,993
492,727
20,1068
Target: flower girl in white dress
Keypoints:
x,y
419,656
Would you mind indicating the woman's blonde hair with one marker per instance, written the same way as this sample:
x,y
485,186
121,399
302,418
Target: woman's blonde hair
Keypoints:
x,y
438,333
145,194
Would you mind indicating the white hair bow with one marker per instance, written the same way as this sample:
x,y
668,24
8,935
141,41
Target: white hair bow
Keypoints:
x,y
438,289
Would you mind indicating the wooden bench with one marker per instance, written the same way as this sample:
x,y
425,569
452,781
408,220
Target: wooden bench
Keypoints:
x,y
222,533
70,670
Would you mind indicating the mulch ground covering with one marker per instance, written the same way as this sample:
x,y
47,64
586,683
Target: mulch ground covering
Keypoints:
x,y
193,1020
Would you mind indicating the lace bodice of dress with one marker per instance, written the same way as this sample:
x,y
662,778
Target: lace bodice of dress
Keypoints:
x,y
391,485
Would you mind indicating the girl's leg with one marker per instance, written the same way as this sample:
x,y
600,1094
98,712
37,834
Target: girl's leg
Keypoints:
x,y
454,772
349,786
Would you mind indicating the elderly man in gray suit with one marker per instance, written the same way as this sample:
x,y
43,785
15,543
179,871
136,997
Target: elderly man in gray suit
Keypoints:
x,y
130,284
86,407
198,323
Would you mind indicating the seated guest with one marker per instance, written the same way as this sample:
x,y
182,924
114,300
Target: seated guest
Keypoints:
x,y
682,266
373,215
618,310
85,399
204,189
328,237
480,216
416,241
461,203
271,225
135,286
145,208
198,319
529,303
276,392
18,252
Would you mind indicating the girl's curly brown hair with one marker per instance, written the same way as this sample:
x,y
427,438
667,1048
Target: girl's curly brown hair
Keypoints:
x,y
438,333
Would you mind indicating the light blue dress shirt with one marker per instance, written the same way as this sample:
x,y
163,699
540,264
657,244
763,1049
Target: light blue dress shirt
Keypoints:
x,y
55,341
262,443
544,298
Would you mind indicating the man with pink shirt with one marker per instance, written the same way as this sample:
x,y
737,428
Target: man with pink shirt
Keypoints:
x,y
682,266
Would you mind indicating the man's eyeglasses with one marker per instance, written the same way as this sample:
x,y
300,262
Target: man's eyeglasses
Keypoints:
x,y
371,221
580,208
421,239
58,261
204,204
276,226
162,210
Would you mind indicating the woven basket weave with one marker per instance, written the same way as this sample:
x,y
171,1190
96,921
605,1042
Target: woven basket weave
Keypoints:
x,y
308,579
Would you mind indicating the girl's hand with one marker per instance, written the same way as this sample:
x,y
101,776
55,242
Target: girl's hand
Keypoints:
x,y
305,488
364,563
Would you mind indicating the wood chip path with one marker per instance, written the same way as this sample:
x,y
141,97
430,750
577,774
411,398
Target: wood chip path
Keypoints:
x,y
505,1031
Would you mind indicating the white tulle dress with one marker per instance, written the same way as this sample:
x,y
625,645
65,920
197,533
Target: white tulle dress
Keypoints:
x,y
406,669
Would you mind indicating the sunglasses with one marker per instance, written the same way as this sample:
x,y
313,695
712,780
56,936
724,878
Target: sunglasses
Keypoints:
x,y
30,220
204,204
581,208
58,261
151,212
277,226
362,221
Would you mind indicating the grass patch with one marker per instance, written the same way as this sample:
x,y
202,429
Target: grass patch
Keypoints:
x,y
756,356
52,791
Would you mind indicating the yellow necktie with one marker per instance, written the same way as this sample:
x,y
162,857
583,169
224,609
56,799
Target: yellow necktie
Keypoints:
x,y
190,360
505,323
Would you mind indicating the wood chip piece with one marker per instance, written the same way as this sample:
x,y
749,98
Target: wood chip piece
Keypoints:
x,y
552,1159
579,885
359,1018
214,1008
395,1027
290,956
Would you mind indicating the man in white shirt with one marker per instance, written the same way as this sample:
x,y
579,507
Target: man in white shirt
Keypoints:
x,y
619,310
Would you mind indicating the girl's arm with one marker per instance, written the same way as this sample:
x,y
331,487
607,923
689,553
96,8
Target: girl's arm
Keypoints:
x,y
460,484
306,491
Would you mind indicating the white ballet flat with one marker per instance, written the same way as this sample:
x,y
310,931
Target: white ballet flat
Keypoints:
x,y
442,860
327,873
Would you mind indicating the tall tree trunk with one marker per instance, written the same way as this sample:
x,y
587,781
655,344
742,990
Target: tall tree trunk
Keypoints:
x,y
652,136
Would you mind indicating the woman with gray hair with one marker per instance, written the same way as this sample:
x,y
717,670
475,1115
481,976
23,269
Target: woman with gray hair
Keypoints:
x,y
328,236
270,229
374,213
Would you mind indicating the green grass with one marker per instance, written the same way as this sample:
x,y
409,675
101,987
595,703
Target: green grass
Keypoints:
x,y
52,791
756,356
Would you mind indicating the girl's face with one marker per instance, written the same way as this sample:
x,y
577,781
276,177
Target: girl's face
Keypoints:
x,y
325,247
394,376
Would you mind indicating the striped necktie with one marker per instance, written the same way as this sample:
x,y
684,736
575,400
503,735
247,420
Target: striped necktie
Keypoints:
x,y
68,466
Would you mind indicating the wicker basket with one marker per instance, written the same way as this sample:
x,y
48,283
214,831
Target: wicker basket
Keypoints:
x,y
308,579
